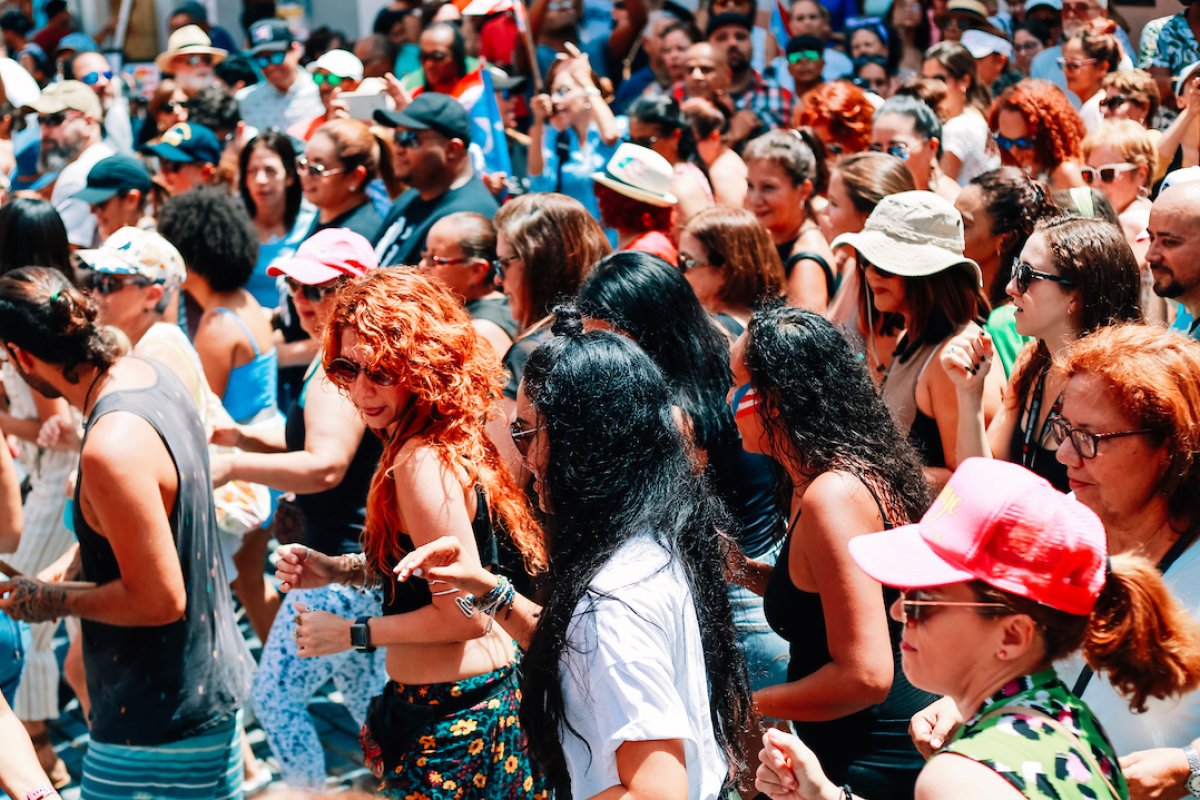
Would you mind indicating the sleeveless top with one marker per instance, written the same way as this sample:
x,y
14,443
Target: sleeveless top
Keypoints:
x,y
1038,760
876,736
1034,457
159,684
252,387
899,391
790,260
334,518
494,308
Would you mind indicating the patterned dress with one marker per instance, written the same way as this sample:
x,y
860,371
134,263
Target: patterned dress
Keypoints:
x,y
1041,762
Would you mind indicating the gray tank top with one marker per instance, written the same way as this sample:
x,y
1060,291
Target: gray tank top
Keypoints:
x,y
155,685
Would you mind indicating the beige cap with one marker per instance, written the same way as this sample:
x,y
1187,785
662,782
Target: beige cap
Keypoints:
x,y
68,95
187,41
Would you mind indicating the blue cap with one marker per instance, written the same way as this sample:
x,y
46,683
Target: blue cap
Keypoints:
x,y
25,175
111,176
79,42
187,143
267,35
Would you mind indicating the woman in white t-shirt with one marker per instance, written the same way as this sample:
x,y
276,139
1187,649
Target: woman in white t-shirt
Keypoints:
x,y
632,683
967,146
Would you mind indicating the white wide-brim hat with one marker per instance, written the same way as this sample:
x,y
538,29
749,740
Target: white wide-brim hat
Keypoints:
x,y
639,173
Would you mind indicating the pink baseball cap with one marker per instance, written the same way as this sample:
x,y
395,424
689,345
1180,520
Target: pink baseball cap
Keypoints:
x,y
328,254
999,523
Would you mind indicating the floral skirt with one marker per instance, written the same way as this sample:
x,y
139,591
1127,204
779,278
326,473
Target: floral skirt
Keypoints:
x,y
476,752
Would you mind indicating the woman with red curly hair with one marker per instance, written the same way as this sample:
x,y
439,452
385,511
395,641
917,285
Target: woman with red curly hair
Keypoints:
x,y
840,114
1039,131
401,345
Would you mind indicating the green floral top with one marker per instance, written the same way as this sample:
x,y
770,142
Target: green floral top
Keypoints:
x,y
1041,762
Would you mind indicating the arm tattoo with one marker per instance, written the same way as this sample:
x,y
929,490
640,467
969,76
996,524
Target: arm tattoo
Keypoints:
x,y
35,601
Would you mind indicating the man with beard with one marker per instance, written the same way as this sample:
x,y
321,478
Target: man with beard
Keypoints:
x,y
93,69
190,59
69,114
1076,14
1174,254
759,104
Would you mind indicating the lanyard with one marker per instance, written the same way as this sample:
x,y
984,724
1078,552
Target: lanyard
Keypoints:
x,y
1029,449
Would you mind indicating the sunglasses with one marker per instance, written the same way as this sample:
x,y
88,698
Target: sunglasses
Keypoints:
x,y
1024,275
897,149
316,170
523,437
264,60
438,261
1020,143
1118,100
1107,173
92,78
915,609
56,119
1076,63
105,284
883,273
313,293
322,78
344,372
200,60
1085,443
500,265
433,55
406,140
804,55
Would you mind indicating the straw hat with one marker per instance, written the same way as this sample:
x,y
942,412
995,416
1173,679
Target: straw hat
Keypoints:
x,y
187,41
639,173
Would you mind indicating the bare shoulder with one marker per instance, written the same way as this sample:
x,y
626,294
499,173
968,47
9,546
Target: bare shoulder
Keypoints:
x,y
948,776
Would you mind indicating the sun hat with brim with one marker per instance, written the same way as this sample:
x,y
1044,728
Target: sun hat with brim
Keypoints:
x,y
326,255
190,40
639,173
981,44
972,10
1181,81
139,253
914,234
999,523
68,96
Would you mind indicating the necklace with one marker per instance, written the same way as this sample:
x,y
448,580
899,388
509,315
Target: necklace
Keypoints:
x,y
95,380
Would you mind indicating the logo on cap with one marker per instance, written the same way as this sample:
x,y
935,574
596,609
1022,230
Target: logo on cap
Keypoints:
x,y
946,505
177,135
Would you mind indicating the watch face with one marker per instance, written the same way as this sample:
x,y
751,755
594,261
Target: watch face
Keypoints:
x,y
1193,784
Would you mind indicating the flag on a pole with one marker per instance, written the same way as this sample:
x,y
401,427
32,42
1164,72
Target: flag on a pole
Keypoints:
x,y
477,94
778,27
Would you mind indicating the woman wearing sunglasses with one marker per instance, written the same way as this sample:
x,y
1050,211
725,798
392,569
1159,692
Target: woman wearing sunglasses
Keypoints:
x,y
334,73
845,469
1088,55
1002,577
1039,131
1073,276
325,457
342,157
632,682
401,347
1122,158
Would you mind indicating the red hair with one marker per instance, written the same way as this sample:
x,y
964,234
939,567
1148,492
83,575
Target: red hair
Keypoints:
x,y
417,331
626,214
1054,125
841,107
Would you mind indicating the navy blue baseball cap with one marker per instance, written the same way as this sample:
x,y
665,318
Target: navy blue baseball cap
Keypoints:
x,y
267,35
187,143
111,176
431,111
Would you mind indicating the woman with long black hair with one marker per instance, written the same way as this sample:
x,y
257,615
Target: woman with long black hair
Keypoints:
x,y
632,678
804,400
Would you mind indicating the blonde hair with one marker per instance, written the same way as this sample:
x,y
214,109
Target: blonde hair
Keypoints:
x,y
1131,140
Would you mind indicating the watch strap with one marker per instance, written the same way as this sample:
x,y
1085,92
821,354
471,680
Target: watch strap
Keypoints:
x,y
360,635
1193,781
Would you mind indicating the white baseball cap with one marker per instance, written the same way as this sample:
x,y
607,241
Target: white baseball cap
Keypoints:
x,y
342,63
982,44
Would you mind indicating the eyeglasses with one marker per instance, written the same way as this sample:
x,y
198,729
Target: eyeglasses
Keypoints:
x,y
523,437
1020,143
911,609
92,78
1106,172
264,60
1085,443
322,78
500,265
898,149
344,372
316,170
687,263
57,118
433,55
104,284
642,141
805,55
437,261
313,294
1024,275
1075,63
1027,47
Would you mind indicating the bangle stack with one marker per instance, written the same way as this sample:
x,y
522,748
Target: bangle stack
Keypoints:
x,y
359,566
500,596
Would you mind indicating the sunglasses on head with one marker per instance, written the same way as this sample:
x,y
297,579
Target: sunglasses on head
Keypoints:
x,y
313,293
322,78
1020,143
914,605
274,59
344,372
103,283
1107,173
1024,275
92,78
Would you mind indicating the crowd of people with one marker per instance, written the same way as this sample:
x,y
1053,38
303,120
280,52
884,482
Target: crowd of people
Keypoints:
x,y
798,400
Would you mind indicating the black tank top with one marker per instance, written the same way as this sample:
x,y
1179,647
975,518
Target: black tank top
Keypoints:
x,y
1036,458
790,261
334,518
494,310
155,685
876,737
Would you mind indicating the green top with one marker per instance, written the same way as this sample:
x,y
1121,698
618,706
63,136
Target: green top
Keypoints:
x,y
1007,343
1041,762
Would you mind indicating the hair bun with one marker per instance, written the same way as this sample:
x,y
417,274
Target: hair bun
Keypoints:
x,y
567,320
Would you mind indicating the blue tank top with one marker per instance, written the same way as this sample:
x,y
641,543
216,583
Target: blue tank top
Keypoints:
x,y
252,386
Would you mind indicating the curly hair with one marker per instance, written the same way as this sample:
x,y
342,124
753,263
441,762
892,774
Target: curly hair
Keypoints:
x,y
619,467
417,331
623,213
213,234
41,312
820,407
843,109
1154,375
1014,203
1053,123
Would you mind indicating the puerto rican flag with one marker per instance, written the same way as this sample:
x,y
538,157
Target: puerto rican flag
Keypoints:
x,y
779,25
477,95
747,404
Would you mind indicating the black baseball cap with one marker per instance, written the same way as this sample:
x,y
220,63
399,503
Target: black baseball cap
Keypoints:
x,y
430,111
730,18
111,176
268,35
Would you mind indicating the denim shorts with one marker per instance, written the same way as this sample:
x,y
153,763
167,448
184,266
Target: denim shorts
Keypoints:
x,y
766,652
14,641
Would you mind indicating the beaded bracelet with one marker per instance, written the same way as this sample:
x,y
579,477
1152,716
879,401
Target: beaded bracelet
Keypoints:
x,y
499,596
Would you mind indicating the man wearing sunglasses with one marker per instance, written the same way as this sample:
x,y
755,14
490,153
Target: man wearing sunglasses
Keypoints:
x,y
71,144
92,69
190,58
288,95
430,153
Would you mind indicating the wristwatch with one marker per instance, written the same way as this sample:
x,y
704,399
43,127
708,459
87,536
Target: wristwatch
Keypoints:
x,y
360,636
1193,781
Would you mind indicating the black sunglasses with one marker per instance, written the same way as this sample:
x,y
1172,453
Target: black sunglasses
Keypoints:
x,y
103,283
344,372
313,293
1024,275
523,437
